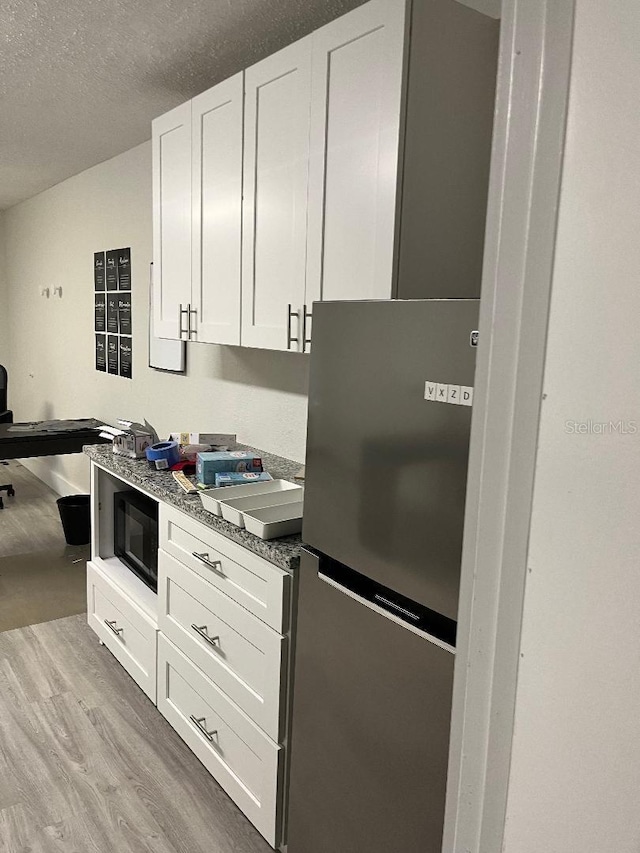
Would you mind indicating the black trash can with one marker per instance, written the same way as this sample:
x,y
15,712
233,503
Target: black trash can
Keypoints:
x,y
75,515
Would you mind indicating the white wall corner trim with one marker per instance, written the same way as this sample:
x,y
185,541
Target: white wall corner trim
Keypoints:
x,y
529,132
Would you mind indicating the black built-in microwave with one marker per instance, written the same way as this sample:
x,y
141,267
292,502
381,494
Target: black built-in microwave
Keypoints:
x,y
135,535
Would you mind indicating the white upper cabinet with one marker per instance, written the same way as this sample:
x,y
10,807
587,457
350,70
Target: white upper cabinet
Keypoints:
x,y
171,153
357,71
277,187
280,187
217,119
276,162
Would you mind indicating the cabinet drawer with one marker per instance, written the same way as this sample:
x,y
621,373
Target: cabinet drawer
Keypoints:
x,y
256,584
245,657
245,762
128,634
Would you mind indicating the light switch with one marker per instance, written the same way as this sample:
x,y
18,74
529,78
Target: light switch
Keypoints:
x,y
454,394
466,395
442,393
429,390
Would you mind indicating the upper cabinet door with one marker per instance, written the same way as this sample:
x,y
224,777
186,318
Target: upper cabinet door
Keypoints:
x,y
171,146
355,125
217,212
276,154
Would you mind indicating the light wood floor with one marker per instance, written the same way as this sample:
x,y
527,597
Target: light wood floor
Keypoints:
x,y
88,765
41,577
30,521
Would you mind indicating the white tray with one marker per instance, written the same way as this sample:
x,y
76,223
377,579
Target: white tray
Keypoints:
x,y
232,510
211,497
275,521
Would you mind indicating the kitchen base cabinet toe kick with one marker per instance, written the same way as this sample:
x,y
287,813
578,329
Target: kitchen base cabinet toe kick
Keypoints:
x,y
211,649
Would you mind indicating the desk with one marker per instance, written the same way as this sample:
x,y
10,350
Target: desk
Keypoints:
x,y
21,445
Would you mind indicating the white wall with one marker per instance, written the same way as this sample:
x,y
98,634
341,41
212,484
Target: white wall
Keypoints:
x,y
260,395
575,775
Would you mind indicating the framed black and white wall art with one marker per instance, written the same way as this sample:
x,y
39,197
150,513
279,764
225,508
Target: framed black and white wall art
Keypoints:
x,y
113,322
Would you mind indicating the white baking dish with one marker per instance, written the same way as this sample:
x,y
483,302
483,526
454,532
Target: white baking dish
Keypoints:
x,y
232,510
211,497
275,521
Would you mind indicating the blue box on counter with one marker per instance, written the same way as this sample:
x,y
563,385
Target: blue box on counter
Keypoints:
x,y
214,462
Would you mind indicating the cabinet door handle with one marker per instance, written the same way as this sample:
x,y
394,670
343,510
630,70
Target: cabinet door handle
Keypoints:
x,y
290,314
201,630
216,565
112,626
306,315
193,330
182,311
201,724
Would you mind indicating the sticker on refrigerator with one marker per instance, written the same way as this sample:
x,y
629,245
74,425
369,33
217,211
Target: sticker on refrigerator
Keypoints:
x,y
430,389
456,395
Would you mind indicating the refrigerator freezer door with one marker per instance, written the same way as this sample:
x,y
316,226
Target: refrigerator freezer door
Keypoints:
x,y
370,728
386,468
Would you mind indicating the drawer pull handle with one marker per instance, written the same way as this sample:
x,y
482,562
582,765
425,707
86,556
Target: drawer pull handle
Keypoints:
x,y
112,626
216,565
202,631
200,724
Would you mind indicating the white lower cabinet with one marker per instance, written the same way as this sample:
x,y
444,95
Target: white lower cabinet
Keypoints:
x,y
211,649
245,762
241,654
223,663
128,633
258,586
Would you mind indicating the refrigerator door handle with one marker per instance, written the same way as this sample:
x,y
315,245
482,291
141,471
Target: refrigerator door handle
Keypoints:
x,y
389,610
390,605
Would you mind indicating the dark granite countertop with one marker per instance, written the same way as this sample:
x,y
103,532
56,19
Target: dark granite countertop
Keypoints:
x,y
283,552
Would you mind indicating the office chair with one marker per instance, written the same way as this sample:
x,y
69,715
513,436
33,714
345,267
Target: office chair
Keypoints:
x,y
6,417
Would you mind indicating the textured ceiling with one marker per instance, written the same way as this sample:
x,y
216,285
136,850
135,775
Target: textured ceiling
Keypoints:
x,y
81,80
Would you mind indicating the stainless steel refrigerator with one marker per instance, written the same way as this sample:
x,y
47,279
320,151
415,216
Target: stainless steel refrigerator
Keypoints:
x,y
390,402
